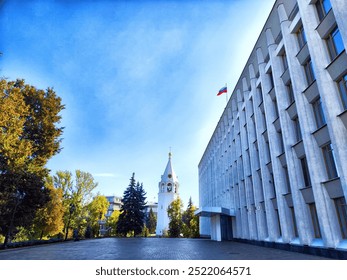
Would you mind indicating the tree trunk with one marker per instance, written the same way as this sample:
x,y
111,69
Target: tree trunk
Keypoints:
x,y
7,235
67,231
41,235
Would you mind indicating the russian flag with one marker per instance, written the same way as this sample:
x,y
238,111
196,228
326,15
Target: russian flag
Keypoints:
x,y
222,90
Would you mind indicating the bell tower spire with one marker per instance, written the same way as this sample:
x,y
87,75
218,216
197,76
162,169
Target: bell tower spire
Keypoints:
x,y
168,192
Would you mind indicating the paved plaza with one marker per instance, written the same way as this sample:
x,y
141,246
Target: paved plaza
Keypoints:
x,y
151,249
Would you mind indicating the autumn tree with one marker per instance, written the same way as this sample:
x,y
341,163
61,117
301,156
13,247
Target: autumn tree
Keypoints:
x,y
175,215
49,219
97,210
132,217
29,137
77,193
112,221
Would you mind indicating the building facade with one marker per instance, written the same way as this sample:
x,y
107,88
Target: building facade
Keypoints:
x,y
168,192
275,168
115,203
151,206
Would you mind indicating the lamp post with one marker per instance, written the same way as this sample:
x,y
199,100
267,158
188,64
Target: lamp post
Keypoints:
x,y
71,210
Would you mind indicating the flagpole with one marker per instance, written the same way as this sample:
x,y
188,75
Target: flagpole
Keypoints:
x,y
226,93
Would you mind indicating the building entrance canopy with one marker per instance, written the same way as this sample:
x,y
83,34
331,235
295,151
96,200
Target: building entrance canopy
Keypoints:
x,y
212,211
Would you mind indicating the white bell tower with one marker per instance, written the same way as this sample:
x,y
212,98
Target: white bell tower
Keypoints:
x,y
168,192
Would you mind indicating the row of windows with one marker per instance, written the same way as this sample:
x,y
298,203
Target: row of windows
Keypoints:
x,y
341,211
335,47
329,161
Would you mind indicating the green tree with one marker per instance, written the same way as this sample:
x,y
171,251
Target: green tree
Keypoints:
x,y
112,221
29,137
132,215
77,195
97,210
175,214
190,221
151,221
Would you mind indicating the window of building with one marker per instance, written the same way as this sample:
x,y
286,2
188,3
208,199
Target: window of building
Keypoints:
x,y
343,90
279,38
305,172
251,106
318,112
315,221
309,73
341,210
285,169
254,130
284,61
301,37
256,154
295,228
275,109
323,7
329,161
335,43
267,149
294,12
241,168
260,94
278,222
271,79
290,92
263,119
281,144
267,58
272,184
297,129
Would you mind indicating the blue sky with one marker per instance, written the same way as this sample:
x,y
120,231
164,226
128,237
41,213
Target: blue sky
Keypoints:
x,y
136,77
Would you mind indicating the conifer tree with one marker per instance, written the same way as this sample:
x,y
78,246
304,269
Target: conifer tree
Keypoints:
x,y
190,226
141,205
131,219
151,221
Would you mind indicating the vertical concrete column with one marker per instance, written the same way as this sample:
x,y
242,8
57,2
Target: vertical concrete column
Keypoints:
x,y
257,185
307,125
246,164
244,213
216,228
303,217
266,86
319,56
279,177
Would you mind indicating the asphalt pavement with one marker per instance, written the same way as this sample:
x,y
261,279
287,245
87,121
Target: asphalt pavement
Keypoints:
x,y
151,249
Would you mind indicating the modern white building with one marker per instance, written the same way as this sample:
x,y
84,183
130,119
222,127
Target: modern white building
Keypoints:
x,y
275,168
168,192
149,206
115,203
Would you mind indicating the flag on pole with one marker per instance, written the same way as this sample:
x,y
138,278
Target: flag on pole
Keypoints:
x,y
222,90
